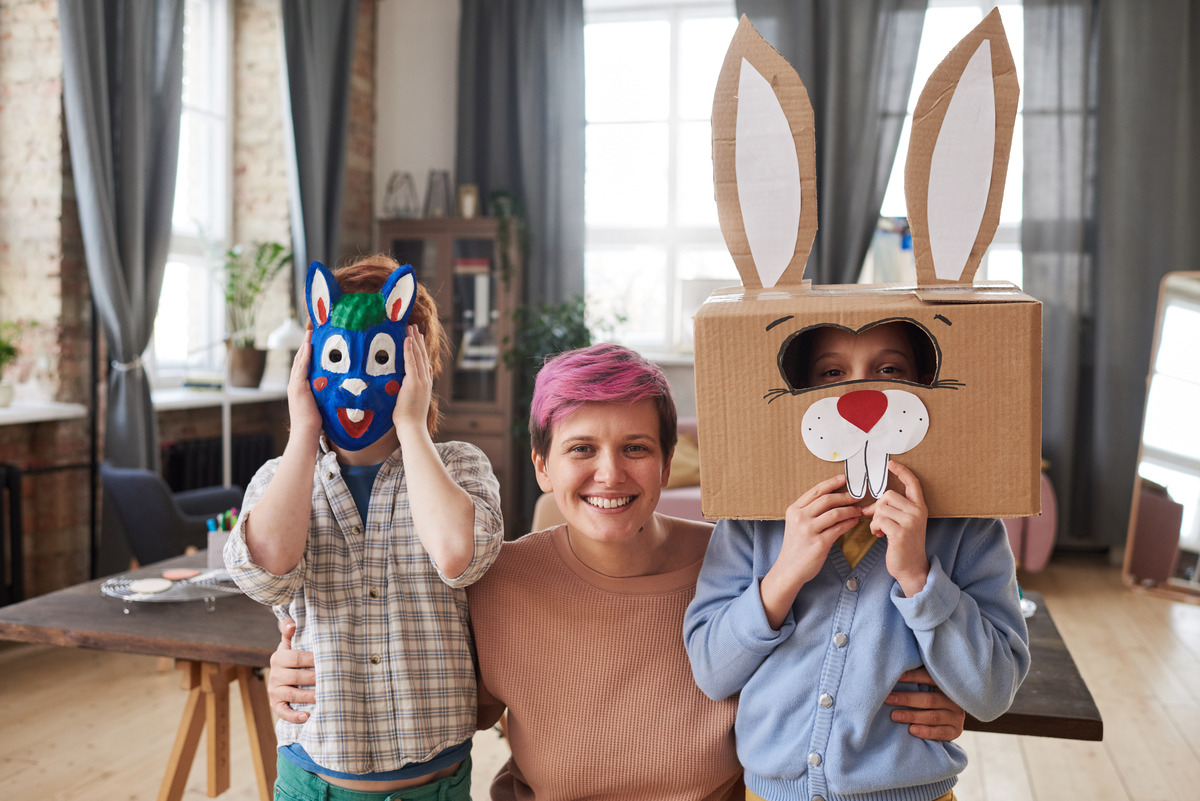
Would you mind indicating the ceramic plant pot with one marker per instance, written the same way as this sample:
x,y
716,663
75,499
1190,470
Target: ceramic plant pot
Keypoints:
x,y
246,366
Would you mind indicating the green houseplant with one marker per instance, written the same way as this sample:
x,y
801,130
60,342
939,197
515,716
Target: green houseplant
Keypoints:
x,y
247,272
10,332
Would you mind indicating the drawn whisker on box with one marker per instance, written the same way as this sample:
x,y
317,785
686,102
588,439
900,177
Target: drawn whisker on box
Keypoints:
x,y
947,383
776,394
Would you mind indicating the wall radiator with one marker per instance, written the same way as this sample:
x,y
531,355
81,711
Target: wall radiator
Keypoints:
x,y
195,463
12,565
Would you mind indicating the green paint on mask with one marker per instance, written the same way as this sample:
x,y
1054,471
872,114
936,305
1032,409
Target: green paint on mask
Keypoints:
x,y
358,311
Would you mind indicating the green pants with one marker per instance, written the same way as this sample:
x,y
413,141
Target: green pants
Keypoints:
x,y
297,784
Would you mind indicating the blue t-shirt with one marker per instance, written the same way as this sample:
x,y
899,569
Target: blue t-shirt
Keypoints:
x,y
360,478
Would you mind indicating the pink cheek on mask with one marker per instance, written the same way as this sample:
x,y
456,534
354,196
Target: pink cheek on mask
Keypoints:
x,y
392,388
320,383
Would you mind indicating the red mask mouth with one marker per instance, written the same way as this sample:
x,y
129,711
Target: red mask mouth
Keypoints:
x,y
354,429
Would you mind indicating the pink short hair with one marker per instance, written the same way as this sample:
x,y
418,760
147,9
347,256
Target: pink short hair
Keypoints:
x,y
603,373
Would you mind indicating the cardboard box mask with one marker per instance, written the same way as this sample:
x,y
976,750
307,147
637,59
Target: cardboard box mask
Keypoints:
x,y
970,429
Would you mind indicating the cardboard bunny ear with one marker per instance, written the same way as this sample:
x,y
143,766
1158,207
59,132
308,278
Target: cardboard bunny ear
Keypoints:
x,y
958,155
764,162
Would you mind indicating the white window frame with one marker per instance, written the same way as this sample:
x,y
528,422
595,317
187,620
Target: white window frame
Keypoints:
x,y
200,250
673,236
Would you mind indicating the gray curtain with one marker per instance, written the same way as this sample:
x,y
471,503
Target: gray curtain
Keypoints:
x,y
122,90
1058,234
857,61
318,44
1099,283
521,127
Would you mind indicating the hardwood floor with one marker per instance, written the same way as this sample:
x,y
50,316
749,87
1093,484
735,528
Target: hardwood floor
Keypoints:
x,y
1140,656
77,724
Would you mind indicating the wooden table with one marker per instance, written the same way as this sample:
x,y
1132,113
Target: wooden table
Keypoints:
x,y
233,642
1053,701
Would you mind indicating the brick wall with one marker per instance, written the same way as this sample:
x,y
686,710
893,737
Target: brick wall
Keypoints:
x,y
43,277
357,230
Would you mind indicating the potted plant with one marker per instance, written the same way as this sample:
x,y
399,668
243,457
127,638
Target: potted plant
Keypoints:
x,y
247,274
10,332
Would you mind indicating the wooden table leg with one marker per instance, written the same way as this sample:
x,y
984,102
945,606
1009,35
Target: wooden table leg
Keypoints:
x,y
214,681
183,753
260,729
207,684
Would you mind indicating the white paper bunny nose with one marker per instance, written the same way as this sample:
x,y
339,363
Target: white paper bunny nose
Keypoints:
x,y
863,428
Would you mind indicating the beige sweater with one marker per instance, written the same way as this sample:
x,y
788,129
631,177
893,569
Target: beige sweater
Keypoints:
x,y
600,697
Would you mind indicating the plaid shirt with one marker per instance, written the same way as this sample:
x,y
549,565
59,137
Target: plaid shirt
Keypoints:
x,y
389,633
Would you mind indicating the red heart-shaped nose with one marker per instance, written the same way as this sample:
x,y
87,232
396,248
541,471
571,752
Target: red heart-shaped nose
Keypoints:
x,y
863,408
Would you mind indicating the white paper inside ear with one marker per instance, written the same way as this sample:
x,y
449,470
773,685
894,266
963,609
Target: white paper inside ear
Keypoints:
x,y
400,297
768,176
960,173
319,292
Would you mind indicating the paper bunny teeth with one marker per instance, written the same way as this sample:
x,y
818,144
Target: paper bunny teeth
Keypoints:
x,y
863,428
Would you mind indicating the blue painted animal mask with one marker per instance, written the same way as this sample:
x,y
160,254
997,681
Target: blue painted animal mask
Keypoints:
x,y
357,361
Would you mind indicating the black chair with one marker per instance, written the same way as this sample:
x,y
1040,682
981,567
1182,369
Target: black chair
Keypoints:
x,y
12,566
159,523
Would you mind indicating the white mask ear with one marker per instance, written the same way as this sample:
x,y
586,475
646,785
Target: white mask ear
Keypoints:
x,y
398,293
322,292
954,190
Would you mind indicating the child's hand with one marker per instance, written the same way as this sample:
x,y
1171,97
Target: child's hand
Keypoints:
x,y
412,404
811,525
902,519
302,406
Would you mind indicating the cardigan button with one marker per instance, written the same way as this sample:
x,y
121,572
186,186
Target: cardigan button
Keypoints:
x,y
814,759
825,701
840,640
852,584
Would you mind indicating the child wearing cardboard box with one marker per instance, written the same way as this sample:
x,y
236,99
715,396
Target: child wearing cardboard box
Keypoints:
x,y
813,607
366,533
813,619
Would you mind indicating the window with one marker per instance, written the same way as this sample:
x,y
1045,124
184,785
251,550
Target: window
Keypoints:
x,y
189,328
946,22
653,248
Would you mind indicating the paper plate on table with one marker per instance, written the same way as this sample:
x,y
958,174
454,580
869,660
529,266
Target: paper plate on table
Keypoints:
x,y
209,584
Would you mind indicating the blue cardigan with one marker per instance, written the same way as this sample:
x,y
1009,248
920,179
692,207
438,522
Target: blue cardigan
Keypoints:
x,y
811,719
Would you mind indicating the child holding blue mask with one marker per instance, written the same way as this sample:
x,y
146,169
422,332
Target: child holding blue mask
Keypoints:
x,y
366,533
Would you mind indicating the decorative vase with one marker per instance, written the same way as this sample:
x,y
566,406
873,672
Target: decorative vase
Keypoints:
x,y
6,394
246,366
